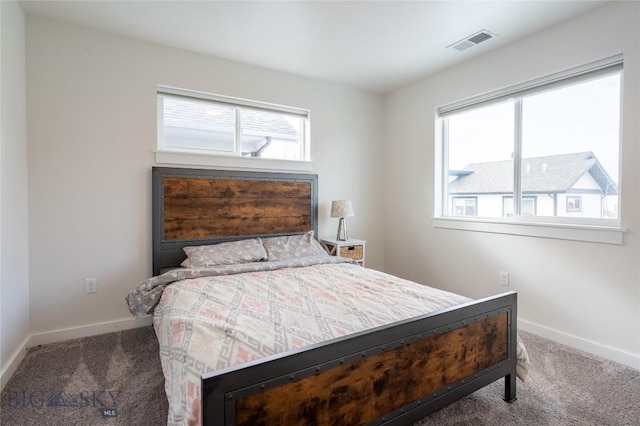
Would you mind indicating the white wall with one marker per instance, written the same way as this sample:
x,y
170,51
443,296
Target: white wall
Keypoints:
x,y
92,131
14,277
585,294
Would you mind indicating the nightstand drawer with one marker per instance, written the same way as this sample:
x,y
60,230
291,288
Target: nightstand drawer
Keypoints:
x,y
352,252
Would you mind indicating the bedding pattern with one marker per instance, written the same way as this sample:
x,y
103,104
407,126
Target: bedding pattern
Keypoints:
x,y
210,321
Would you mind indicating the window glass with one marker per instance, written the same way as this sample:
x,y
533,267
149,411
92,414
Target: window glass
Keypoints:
x,y
198,125
230,127
480,154
562,140
270,135
570,143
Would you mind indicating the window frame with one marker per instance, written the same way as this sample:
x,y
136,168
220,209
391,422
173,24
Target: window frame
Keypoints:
x,y
603,230
231,160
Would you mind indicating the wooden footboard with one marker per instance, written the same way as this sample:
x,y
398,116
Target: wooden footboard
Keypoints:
x,y
393,374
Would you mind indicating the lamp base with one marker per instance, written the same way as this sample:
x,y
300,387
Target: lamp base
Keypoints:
x,y
342,230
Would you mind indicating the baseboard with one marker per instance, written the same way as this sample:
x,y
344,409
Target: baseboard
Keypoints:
x,y
86,331
610,353
14,361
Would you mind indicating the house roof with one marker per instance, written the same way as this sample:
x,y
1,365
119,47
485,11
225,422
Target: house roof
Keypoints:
x,y
220,118
548,174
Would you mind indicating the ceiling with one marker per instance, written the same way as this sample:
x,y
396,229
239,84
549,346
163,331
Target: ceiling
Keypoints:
x,y
374,45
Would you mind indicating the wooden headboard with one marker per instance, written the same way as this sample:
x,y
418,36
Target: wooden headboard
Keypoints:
x,y
200,206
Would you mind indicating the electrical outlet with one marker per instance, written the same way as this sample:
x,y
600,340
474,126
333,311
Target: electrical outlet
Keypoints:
x,y
90,285
504,278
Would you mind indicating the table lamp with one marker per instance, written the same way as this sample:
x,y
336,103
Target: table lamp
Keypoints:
x,y
342,209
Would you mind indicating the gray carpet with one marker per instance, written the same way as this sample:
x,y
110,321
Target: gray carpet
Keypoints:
x,y
80,382
69,383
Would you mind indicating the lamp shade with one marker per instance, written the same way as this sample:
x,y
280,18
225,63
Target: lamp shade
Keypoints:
x,y
341,208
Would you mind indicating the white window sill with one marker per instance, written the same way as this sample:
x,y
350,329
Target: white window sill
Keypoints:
x,y
589,233
231,162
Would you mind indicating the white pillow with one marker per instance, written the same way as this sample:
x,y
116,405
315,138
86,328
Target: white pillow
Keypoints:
x,y
292,246
230,253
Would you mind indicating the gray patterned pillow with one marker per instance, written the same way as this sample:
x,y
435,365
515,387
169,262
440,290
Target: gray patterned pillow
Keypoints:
x,y
230,253
292,246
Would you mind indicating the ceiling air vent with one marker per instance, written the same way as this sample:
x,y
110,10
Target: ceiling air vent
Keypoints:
x,y
472,40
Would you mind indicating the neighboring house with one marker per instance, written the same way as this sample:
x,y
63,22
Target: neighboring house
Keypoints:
x,y
556,185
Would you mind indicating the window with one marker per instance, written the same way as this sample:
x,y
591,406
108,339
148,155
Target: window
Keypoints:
x,y
528,207
523,153
464,206
204,124
574,204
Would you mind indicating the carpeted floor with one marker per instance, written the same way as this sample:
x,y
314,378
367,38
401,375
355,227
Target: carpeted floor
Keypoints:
x,y
70,383
82,382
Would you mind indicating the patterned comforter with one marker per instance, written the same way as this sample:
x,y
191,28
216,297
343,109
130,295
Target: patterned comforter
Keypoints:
x,y
218,317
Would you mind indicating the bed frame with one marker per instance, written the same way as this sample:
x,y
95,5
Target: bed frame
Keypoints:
x,y
394,374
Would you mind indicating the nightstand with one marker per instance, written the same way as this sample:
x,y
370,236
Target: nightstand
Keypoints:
x,y
351,248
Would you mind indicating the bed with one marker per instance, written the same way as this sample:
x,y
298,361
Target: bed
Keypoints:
x,y
258,325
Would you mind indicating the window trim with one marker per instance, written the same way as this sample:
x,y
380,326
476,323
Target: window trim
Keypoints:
x,y
231,101
231,162
196,157
578,232
594,69
607,231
